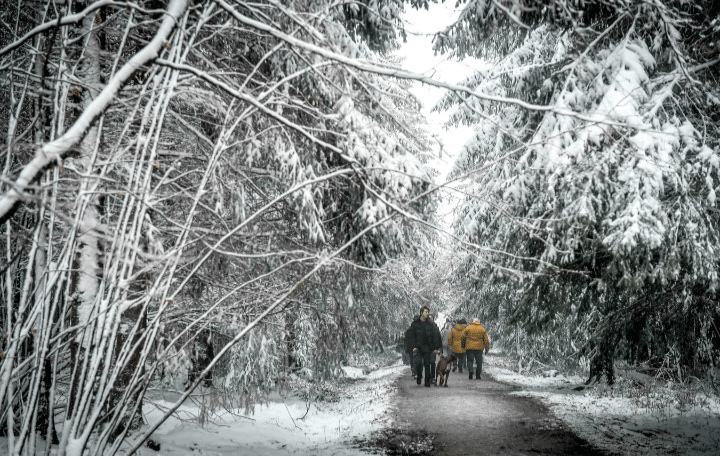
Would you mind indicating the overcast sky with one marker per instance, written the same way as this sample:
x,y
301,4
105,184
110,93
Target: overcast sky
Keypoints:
x,y
420,58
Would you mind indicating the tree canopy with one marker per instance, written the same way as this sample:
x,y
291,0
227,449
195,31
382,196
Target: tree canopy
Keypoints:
x,y
195,192
593,174
237,194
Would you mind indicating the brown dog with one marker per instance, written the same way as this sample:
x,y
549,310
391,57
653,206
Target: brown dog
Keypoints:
x,y
443,369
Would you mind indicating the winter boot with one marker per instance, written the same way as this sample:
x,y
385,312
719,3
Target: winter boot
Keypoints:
x,y
455,368
478,378
427,382
460,370
471,375
419,379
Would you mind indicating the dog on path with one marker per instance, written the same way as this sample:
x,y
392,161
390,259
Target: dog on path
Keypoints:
x,y
442,369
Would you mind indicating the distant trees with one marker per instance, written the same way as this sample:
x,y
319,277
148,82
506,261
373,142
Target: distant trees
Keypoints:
x,y
593,178
190,186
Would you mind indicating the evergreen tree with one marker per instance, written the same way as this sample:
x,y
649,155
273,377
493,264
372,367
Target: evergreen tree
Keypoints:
x,y
594,171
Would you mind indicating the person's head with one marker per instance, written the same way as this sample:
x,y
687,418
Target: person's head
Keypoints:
x,y
462,321
424,313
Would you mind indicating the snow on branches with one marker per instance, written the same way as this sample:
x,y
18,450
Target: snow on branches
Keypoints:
x,y
210,207
605,189
613,163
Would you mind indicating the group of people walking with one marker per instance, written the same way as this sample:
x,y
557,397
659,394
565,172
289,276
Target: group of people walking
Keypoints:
x,y
424,342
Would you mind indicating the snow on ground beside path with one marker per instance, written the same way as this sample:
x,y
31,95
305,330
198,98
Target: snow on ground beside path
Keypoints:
x,y
285,426
623,419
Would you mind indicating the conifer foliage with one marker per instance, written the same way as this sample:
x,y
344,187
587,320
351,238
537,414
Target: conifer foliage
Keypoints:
x,y
193,193
593,178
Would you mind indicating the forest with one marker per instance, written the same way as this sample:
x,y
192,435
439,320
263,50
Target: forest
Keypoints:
x,y
239,194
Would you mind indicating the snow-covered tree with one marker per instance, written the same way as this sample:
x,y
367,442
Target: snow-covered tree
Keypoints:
x,y
192,186
593,174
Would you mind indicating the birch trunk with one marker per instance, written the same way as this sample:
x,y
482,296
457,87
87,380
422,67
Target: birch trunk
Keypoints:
x,y
86,265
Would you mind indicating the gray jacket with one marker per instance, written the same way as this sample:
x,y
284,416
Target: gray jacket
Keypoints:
x,y
445,333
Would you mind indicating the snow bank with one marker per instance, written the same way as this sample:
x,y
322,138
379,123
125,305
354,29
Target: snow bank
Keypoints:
x,y
623,419
353,372
285,426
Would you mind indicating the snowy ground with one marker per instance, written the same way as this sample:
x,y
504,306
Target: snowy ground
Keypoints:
x,y
283,426
628,418
286,425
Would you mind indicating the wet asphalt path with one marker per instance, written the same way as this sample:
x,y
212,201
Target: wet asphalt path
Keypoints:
x,y
481,417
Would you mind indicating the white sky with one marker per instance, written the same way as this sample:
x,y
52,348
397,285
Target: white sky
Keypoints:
x,y
420,58
421,25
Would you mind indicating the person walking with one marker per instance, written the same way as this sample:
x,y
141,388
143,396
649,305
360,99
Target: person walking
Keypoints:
x,y
476,339
437,350
424,338
409,347
455,342
401,347
445,334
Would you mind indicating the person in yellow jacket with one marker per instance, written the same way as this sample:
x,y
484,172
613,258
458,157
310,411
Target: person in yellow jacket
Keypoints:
x,y
476,339
455,343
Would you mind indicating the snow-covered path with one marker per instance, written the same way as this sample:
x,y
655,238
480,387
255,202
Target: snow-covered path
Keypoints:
x,y
622,420
610,419
484,417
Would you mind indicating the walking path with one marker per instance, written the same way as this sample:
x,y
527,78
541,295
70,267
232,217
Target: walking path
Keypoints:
x,y
483,417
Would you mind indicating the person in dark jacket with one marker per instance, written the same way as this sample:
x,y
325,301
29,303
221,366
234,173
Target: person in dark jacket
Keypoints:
x,y
424,338
401,348
409,347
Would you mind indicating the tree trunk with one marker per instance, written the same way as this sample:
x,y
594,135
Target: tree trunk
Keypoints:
x,y
204,352
130,318
45,419
86,265
602,363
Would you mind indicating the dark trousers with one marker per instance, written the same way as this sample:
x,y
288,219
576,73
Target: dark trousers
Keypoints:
x,y
411,361
423,360
475,355
461,360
